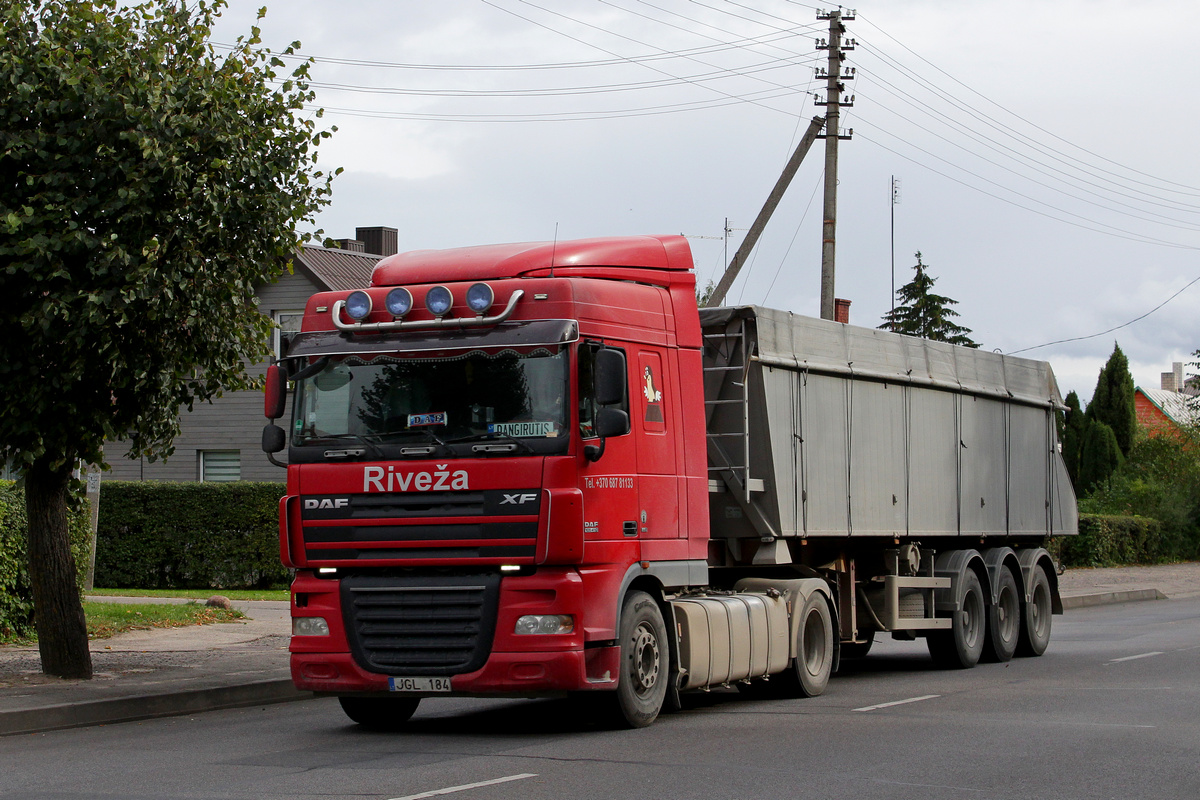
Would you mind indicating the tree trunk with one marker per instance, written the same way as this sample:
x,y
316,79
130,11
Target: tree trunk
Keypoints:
x,y
58,612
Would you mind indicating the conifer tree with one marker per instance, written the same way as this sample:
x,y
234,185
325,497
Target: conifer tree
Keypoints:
x,y
1074,428
1112,402
925,314
1099,457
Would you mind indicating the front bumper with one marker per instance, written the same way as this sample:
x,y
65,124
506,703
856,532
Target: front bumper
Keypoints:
x,y
525,674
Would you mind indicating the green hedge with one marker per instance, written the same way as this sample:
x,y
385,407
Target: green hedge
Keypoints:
x,y
16,593
1109,541
156,535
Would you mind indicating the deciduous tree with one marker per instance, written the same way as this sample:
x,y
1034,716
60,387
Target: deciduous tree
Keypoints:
x,y
148,185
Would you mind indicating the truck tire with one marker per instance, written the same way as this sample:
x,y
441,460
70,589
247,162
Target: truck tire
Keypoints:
x,y
645,661
1003,620
380,713
1035,619
814,646
808,673
961,646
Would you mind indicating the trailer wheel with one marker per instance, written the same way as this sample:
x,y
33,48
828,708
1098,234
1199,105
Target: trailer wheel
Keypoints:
x,y
642,684
1003,620
380,713
814,648
961,646
1035,621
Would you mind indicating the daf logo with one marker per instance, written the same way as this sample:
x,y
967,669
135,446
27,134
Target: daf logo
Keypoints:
x,y
336,502
517,499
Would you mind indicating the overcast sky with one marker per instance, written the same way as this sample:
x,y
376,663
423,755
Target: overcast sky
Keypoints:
x,y
1045,150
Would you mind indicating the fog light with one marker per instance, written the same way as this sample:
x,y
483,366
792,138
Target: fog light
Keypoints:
x,y
438,300
480,298
545,623
358,305
399,302
309,626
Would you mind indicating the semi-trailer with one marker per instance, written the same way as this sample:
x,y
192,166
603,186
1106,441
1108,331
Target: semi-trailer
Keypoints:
x,y
539,469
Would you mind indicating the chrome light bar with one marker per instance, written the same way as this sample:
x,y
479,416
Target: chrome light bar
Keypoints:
x,y
426,324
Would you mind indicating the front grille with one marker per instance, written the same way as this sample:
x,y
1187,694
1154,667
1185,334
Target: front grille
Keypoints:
x,y
436,625
422,526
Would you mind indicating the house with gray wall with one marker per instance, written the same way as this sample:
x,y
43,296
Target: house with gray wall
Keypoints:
x,y
221,440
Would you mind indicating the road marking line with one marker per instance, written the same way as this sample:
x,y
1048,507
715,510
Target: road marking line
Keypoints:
x,y
465,786
1134,658
897,702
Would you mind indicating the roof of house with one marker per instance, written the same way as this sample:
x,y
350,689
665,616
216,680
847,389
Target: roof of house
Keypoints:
x,y
1179,408
336,270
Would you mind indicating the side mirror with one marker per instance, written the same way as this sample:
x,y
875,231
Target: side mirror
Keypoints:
x,y
276,394
273,439
612,422
609,378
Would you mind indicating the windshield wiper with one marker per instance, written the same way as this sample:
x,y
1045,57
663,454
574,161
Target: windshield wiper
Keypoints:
x,y
419,451
348,452
510,443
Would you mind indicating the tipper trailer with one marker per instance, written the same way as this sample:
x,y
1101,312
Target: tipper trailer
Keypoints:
x,y
538,469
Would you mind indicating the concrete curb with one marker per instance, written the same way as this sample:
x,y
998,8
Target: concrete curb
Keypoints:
x,y
129,709
1109,598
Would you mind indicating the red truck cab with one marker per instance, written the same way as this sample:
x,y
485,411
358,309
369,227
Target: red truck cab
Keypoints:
x,y
488,456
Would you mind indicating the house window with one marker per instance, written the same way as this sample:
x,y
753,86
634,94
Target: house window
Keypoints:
x,y
287,324
220,465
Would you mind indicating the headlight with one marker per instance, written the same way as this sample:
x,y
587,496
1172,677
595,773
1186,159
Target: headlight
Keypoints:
x,y
399,302
438,300
480,298
545,623
358,305
309,626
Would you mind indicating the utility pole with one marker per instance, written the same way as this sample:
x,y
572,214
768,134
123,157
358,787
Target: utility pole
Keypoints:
x,y
894,203
833,102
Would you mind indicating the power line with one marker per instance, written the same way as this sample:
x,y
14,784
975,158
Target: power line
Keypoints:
x,y
1110,330
718,74
1108,230
1191,191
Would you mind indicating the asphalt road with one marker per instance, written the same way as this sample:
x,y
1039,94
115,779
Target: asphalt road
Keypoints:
x,y
1111,711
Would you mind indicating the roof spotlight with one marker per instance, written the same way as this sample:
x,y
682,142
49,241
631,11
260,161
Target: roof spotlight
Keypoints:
x,y
480,298
399,302
438,300
358,305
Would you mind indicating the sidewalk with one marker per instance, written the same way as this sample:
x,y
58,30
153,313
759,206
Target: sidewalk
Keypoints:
x,y
155,673
145,674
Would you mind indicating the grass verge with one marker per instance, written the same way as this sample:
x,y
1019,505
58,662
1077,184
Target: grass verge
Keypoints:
x,y
109,619
196,594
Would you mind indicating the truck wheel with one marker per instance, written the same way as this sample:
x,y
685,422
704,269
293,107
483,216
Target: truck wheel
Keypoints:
x,y
1035,621
1004,620
961,646
858,649
814,648
380,713
642,684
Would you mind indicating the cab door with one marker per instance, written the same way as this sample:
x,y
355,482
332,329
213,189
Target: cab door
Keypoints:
x,y
609,484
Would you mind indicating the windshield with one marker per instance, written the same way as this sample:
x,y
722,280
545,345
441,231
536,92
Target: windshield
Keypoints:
x,y
471,397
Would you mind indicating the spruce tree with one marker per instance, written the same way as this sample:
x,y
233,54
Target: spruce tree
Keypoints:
x,y
1112,402
925,314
